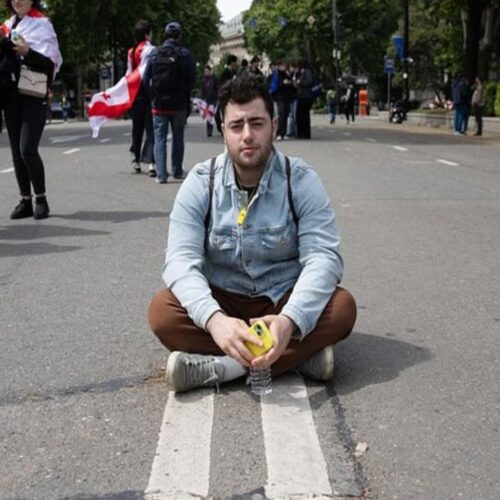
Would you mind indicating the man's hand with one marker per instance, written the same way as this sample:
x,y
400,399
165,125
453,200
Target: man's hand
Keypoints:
x,y
230,334
281,328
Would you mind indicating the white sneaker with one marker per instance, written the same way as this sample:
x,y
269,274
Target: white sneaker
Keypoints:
x,y
189,371
136,166
320,366
151,170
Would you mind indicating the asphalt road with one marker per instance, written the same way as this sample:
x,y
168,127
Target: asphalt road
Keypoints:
x,y
82,397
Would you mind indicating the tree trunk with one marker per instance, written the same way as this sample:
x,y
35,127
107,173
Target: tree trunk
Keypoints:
x,y
472,38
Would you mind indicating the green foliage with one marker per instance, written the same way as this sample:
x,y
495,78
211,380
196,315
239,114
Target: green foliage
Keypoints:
x,y
91,31
491,94
363,31
497,100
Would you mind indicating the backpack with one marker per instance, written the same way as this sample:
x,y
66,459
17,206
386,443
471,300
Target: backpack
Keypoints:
x,y
168,78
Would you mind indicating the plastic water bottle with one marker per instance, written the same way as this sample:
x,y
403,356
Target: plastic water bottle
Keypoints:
x,y
261,382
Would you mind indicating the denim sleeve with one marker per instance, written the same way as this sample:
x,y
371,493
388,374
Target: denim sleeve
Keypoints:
x,y
319,250
182,272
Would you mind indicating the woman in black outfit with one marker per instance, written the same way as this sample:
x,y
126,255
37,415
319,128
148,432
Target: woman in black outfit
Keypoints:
x,y
27,39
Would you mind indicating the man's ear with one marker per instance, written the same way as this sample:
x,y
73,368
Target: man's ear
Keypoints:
x,y
274,123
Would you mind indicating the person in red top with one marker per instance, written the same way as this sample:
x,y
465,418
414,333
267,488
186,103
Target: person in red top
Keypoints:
x,y
142,119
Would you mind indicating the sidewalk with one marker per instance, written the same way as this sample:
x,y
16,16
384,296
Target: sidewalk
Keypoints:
x,y
491,126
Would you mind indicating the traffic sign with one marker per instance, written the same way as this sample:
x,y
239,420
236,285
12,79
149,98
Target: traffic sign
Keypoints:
x,y
388,65
282,21
252,23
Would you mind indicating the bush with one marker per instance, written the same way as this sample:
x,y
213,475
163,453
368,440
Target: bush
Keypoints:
x,y
497,101
491,94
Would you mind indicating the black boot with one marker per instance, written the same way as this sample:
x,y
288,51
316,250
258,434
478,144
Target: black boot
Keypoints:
x,y
41,208
23,210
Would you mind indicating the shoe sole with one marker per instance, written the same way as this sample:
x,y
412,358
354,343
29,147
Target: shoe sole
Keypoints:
x,y
170,370
330,363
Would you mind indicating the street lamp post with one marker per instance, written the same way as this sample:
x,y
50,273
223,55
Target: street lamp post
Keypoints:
x,y
406,75
336,54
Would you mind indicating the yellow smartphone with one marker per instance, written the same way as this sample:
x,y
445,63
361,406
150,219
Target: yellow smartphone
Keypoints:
x,y
260,330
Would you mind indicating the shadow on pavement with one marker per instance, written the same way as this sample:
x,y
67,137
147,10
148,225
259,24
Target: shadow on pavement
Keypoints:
x,y
122,495
116,217
363,360
17,250
36,231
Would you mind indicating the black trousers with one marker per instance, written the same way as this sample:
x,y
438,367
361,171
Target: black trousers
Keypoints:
x,y
25,119
283,112
304,118
142,121
478,114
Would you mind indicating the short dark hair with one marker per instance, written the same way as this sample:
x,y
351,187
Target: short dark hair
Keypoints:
x,y
231,58
141,29
255,59
37,4
243,89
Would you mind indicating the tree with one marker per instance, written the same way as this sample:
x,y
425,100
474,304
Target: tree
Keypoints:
x,y
364,28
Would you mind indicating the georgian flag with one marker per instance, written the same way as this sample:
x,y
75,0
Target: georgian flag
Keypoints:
x,y
39,35
207,111
115,101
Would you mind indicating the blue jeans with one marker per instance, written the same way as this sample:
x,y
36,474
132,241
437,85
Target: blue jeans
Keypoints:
x,y
459,118
292,120
161,123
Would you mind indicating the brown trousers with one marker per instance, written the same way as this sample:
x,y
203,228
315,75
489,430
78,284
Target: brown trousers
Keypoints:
x,y
177,332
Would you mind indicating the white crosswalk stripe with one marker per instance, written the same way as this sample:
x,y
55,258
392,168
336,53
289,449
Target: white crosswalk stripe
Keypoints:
x,y
295,462
296,467
181,465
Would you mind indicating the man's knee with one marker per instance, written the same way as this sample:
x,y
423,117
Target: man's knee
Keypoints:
x,y
158,316
343,310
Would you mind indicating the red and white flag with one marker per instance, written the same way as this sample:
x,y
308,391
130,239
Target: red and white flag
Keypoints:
x,y
115,101
38,33
207,111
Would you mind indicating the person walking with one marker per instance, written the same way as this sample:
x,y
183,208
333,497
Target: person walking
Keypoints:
x,y
331,103
252,237
170,74
349,99
478,103
27,41
209,90
142,118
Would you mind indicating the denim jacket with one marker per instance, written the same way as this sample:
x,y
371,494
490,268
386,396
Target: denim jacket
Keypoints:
x,y
266,255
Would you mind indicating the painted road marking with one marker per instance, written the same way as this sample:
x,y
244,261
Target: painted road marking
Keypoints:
x,y
65,138
104,140
126,134
6,171
181,465
400,148
446,162
369,139
295,466
71,151
347,134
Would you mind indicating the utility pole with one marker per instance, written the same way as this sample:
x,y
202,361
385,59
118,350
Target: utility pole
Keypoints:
x,y
406,75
